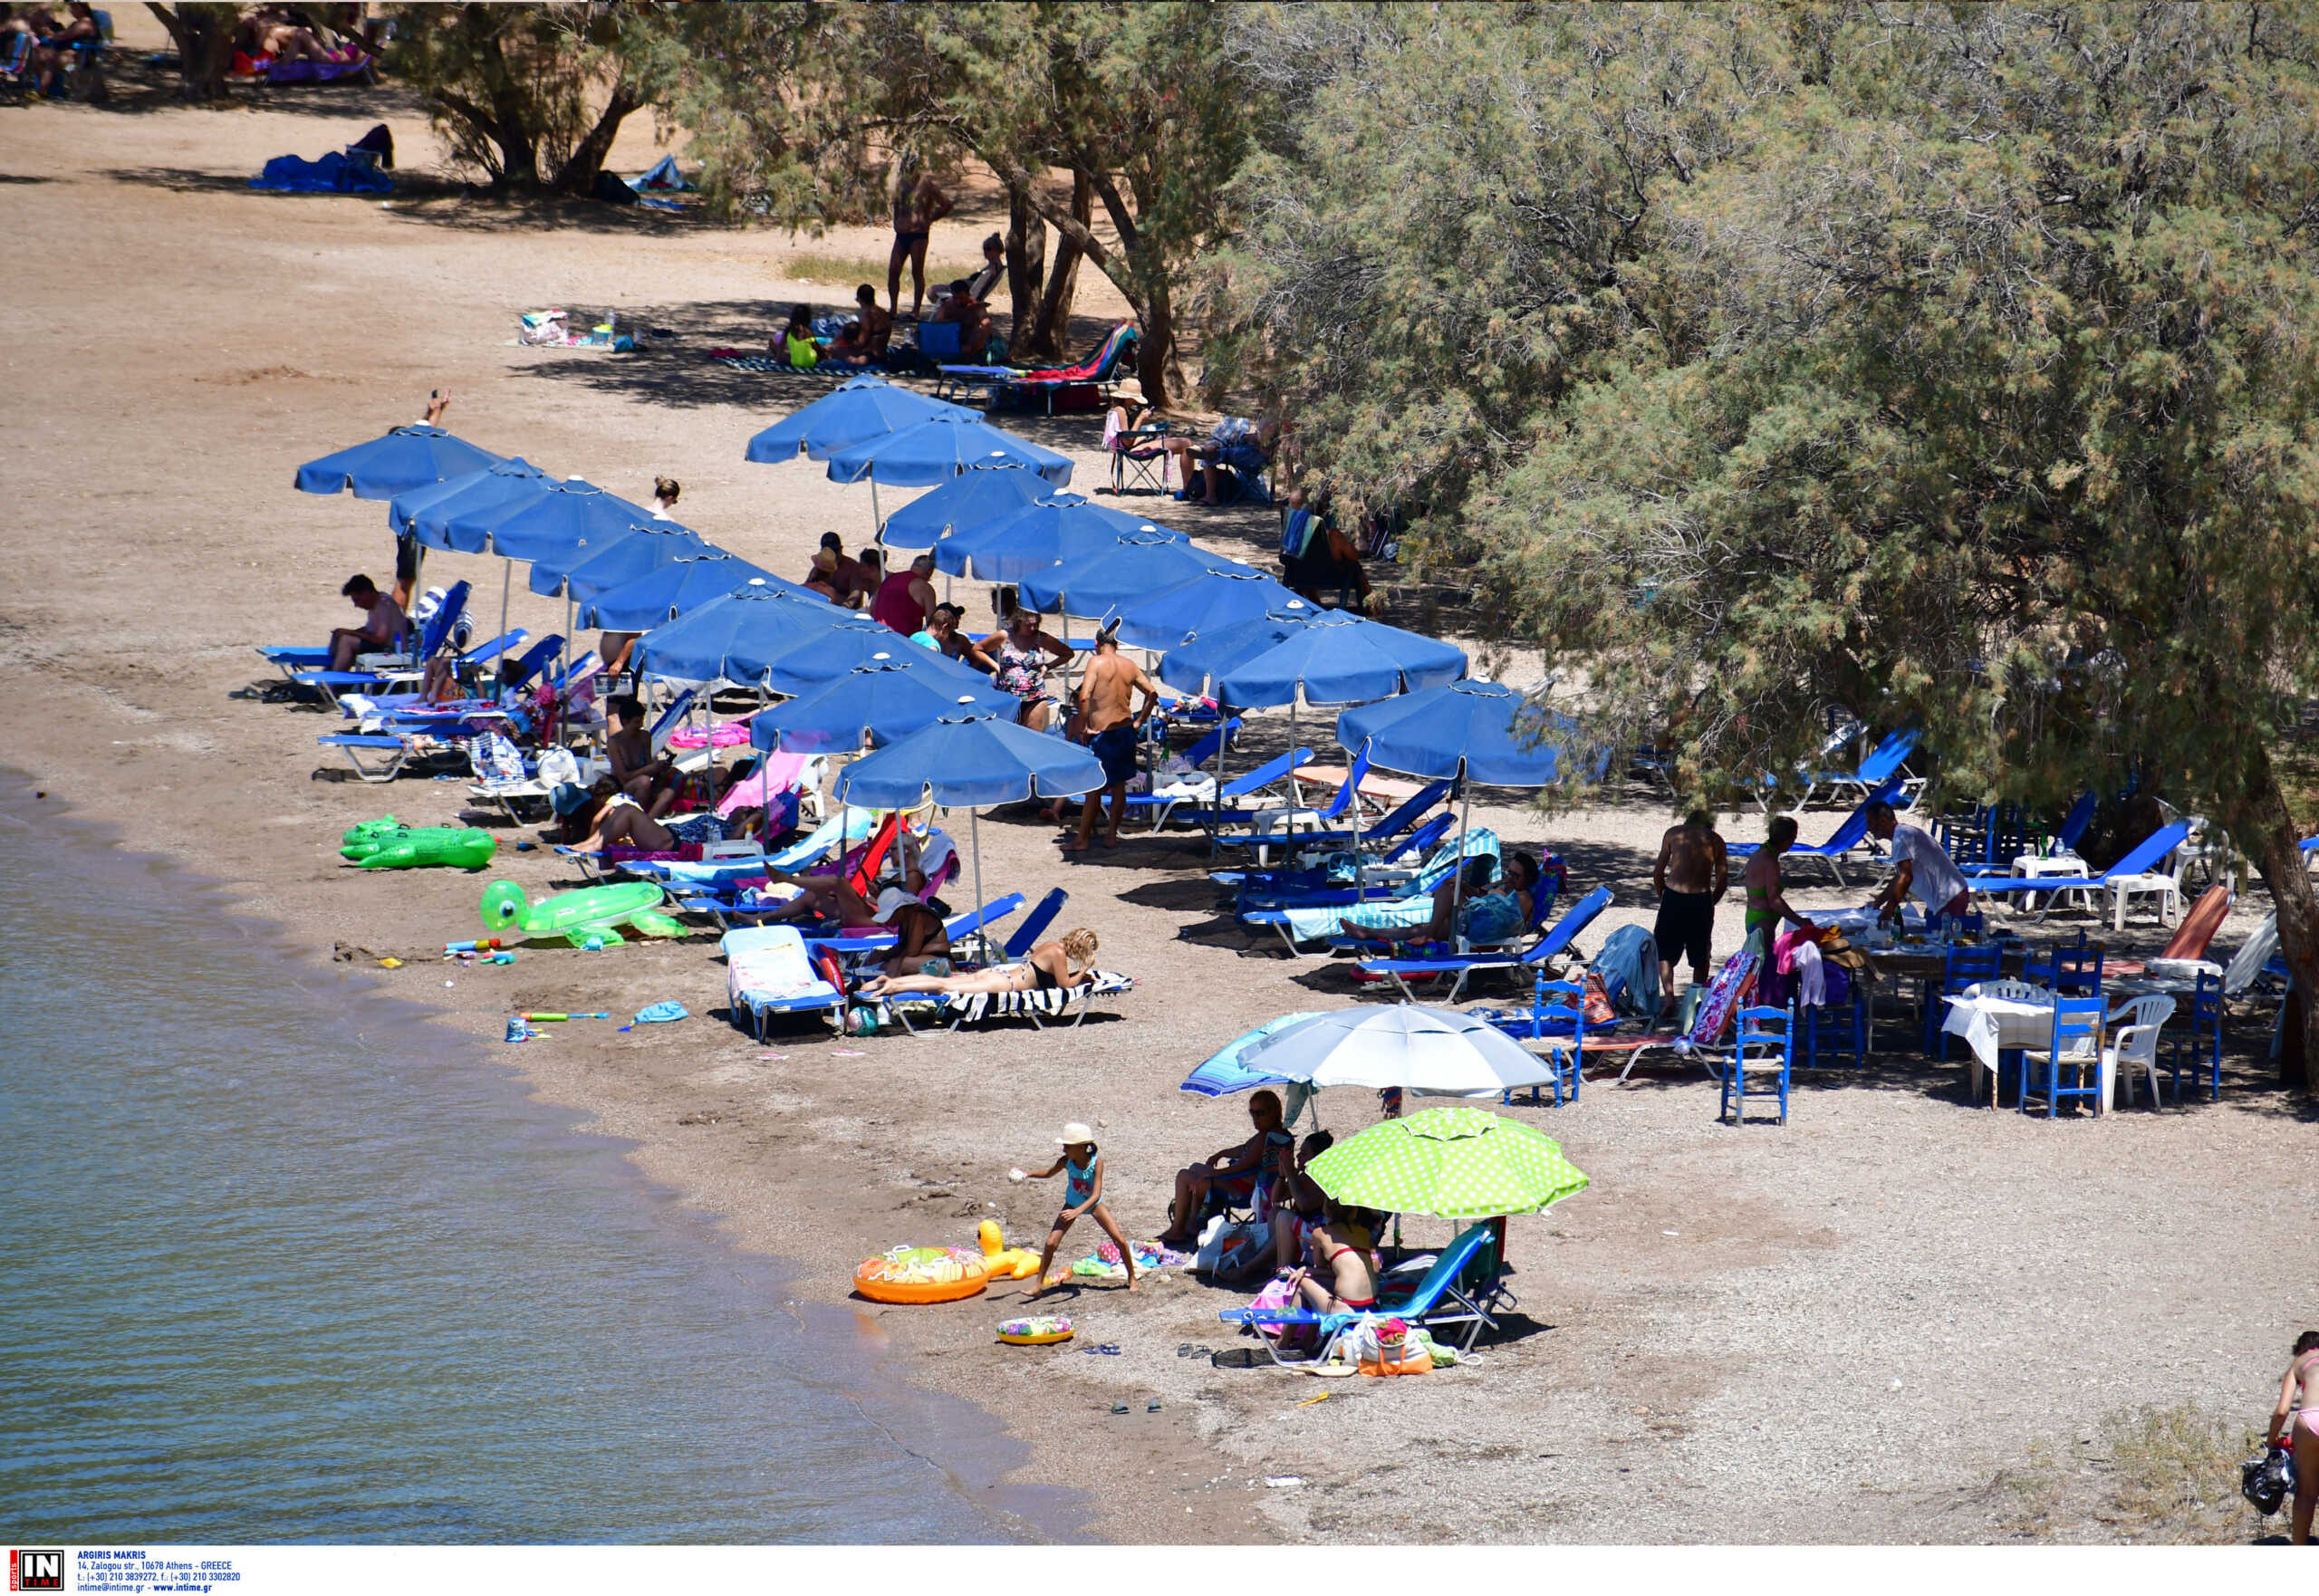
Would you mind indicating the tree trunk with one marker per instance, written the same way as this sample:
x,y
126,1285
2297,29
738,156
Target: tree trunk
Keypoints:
x,y
1026,261
2264,824
204,35
1063,280
578,173
1156,365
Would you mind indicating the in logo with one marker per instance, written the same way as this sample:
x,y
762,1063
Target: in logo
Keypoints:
x,y
35,1571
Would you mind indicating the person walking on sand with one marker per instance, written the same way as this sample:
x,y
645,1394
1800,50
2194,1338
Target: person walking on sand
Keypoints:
x,y
1693,873
1110,727
2294,1426
918,205
1082,1167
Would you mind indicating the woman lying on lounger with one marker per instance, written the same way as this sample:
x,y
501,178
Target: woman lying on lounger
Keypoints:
x,y
1050,964
603,816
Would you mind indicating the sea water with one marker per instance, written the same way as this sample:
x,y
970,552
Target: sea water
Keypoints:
x,y
284,1265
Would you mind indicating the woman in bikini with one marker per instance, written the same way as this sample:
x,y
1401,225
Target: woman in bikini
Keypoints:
x,y
1766,903
2295,1424
1050,964
1352,1284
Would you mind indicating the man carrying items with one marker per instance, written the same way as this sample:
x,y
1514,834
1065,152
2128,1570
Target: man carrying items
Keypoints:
x,y
1112,729
1693,873
1925,872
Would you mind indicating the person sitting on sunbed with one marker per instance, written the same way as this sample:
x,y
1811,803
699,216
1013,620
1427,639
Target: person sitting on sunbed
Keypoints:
x,y
1480,913
1232,1171
1352,1282
973,321
921,943
1049,967
383,623
642,775
603,817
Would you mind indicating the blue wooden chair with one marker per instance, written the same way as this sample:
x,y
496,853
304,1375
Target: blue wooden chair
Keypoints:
x,y
2200,1051
2077,971
1834,1032
2076,1048
1763,1049
1558,1017
1961,966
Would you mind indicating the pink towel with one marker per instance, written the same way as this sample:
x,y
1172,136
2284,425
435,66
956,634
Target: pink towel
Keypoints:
x,y
776,775
730,733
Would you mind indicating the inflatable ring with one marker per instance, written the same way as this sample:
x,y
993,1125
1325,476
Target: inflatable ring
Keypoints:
x,y
1042,1331
921,1274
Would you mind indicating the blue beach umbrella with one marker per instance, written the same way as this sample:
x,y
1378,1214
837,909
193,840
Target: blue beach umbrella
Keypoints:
x,y
1331,657
396,462
656,544
938,450
1111,577
423,512
855,412
564,519
974,497
730,639
684,583
1036,536
1225,1071
853,642
1470,729
1165,617
964,761
881,701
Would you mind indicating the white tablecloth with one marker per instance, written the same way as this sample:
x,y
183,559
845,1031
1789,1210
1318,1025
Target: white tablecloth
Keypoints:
x,y
1990,1023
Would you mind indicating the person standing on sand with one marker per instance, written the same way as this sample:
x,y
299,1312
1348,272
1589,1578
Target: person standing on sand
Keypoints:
x,y
407,542
918,205
1110,727
1766,903
1693,873
1082,1168
2295,1424
1924,870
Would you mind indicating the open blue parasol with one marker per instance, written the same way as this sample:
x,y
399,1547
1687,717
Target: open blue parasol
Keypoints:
x,y
730,639
855,412
656,544
1035,537
881,701
977,496
684,583
938,449
396,462
1106,578
1331,657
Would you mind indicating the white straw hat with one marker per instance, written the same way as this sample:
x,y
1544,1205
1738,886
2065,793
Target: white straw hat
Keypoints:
x,y
1074,1134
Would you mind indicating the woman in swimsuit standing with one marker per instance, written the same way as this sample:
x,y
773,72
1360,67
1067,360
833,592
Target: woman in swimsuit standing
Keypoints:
x,y
1019,664
1767,903
918,205
2294,1423
1050,965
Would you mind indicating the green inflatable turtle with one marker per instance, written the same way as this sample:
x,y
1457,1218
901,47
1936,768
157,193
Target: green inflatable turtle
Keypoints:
x,y
591,912
386,844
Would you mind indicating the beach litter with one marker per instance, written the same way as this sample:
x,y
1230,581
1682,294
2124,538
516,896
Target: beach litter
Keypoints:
x,y
517,1030
661,1013
1289,1482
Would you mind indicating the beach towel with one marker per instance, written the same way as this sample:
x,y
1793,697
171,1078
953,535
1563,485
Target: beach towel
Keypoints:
x,y
663,174
776,775
1628,966
333,174
1724,995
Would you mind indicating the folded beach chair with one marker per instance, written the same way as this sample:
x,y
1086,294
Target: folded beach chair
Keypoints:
x,y
768,972
1453,1302
2136,872
1461,967
1851,834
1164,799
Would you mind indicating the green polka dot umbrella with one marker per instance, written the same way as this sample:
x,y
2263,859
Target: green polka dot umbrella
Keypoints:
x,y
1450,1163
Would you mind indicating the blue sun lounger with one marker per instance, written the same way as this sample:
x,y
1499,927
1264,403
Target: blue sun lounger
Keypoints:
x,y
2141,862
956,926
1851,834
1258,887
1461,967
431,639
768,972
1453,1300
1162,804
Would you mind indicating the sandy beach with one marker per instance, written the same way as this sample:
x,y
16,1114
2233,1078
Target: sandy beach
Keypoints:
x,y
1841,1330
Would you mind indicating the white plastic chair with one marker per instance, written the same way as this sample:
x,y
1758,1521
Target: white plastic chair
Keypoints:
x,y
2165,885
2133,1043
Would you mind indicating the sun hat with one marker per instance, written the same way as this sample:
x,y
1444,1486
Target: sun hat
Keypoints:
x,y
1125,388
567,798
1076,1134
889,900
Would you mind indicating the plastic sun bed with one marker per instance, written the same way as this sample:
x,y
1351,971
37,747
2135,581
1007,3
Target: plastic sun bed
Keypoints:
x,y
969,1008
768,972
1462,967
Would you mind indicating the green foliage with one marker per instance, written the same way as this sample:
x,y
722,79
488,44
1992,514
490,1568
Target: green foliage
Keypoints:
x,y
2163,1475
804,113
528,93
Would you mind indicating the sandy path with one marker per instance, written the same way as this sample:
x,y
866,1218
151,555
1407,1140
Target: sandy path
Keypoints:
x,y
1834,1331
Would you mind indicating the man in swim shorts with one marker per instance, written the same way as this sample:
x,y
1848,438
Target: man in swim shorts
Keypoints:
x,y
1692,875
1111,728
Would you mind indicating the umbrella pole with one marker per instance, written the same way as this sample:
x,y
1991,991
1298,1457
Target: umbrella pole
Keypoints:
x,y
973,830
507,577
877,521
1465,824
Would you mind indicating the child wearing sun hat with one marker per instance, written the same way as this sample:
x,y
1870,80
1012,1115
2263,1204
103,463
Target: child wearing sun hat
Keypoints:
x,y
1082,1167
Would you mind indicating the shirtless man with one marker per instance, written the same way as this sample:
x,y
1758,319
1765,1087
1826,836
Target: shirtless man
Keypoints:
x,y
382,623
918,205
1110,729
866,337
641,774
1691,876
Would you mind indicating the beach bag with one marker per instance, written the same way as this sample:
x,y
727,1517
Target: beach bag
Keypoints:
x,y
493,758
1598,1008
559,765
1493,918
1226,1249
1274,1294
